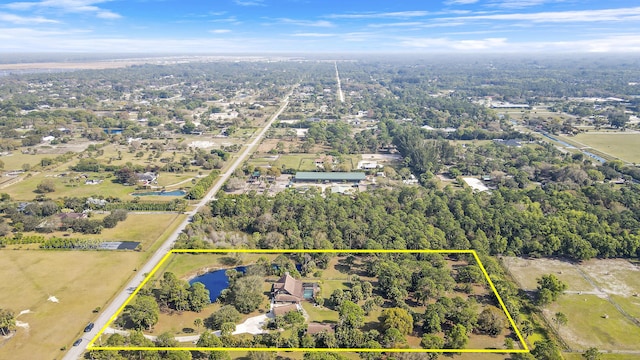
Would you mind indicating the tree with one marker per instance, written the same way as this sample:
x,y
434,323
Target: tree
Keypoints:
x,y
393,338
325,339
227,328
546,350
7,322
246,293
430,341
526,328
549,288
560,319
198,297
456,338
166,339
126,175
188,127
470,274
210,340
399,319
144,312
592,354
351,314
46,186
491,321
197,323
227,313
174,292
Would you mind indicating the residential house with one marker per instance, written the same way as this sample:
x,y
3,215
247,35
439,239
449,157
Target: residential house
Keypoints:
x,y
316,328
284,309
287,290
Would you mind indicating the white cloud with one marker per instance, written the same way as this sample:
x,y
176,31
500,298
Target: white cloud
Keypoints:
x,y
220,31
106,14
621,14
516,4
460,45
371,15
360,36
312,23
68,6
460,2
313,34
16,19
627,43
231,20
397,24
249,2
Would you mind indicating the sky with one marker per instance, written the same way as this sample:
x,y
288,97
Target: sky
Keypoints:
x,y
320,26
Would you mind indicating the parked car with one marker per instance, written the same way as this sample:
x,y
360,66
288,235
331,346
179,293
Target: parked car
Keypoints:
x,y
88,327
77,342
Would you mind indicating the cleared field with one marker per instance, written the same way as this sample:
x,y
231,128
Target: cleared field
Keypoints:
x,y
80,280
600,302
622,145
527,271
144,228
15,160
25,189
594,322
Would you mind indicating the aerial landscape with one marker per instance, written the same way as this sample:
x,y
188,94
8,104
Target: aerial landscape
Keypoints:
x,y
320,180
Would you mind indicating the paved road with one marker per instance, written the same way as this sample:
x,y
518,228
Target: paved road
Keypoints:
x,y
109,313
340,93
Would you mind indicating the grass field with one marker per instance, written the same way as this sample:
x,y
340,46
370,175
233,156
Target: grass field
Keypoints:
x,y
81,280
587,325
144,228
593,287
25,189
621,145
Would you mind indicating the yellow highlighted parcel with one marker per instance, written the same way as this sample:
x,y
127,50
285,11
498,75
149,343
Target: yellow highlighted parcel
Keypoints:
x,y
524,349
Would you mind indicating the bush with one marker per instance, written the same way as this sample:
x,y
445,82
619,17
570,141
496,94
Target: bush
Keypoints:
x,y
46,186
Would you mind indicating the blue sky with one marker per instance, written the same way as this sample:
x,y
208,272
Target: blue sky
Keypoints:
x,y
255,26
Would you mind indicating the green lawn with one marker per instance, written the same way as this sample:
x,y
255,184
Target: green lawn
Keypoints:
x,y
17,159
24,190
620,145
587,325
300,162
320,314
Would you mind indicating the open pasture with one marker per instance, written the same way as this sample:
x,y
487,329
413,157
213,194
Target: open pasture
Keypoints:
x,y
79,280
601,301
625,146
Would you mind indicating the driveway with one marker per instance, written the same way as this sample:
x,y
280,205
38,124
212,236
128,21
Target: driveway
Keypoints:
x,y
253,325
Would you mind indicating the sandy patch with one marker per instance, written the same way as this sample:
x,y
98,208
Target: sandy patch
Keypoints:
x,y
614,276
202,144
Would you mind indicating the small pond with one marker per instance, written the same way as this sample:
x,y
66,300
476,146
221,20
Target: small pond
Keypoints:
x,y
162,193
215,281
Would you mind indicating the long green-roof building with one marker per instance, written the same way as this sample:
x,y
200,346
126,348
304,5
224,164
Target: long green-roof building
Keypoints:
x,y
354,177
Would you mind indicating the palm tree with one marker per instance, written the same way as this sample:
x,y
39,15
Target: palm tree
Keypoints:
x,y
197,323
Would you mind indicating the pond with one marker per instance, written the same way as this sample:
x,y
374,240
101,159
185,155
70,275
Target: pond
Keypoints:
x,y
215,281
162,193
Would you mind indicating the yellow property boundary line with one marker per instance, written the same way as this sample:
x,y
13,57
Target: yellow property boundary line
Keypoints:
x,y
524,349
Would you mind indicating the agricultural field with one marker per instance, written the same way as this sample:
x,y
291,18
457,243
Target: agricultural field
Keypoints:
x,y
601,301
80,281
625,146
55,294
